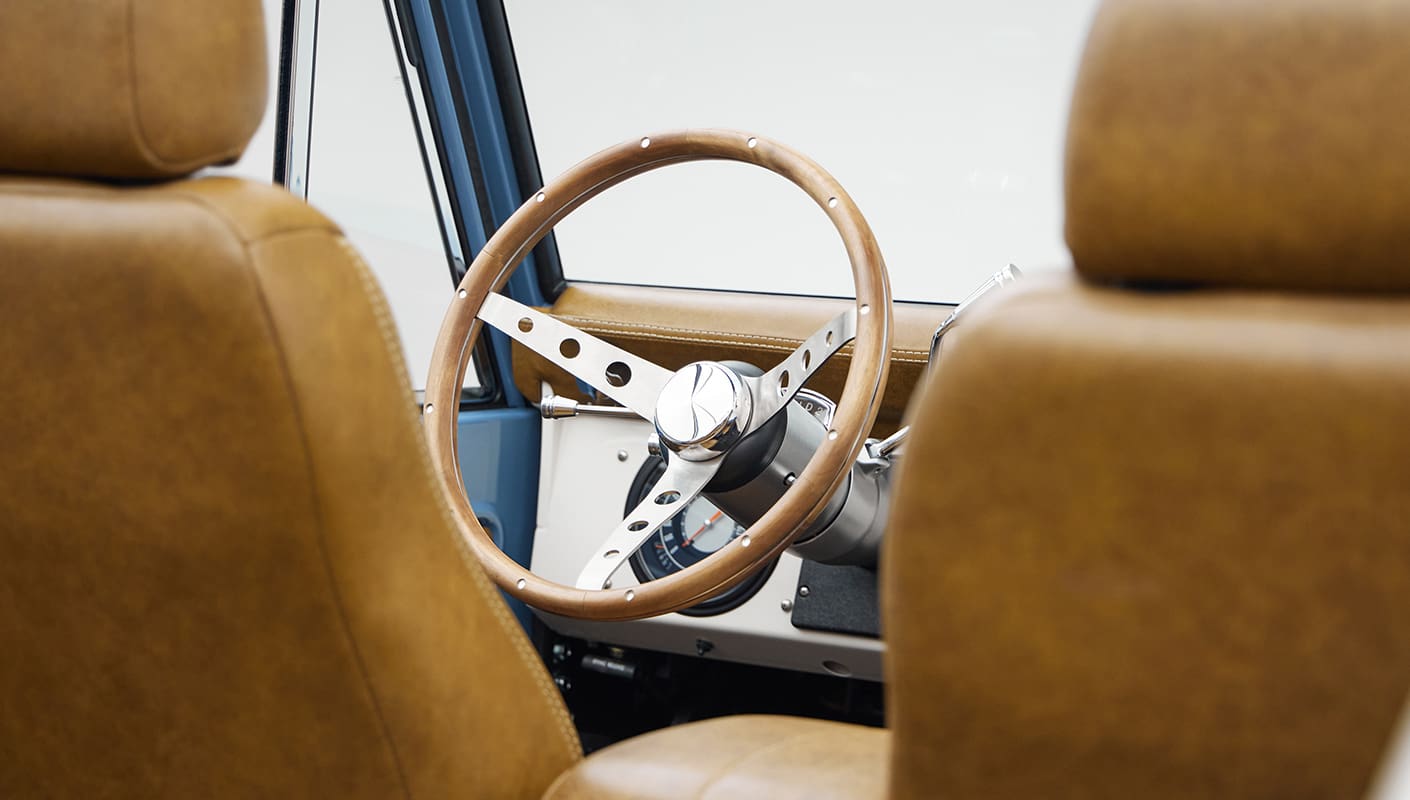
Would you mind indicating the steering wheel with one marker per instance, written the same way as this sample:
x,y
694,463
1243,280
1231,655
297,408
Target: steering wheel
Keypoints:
x,y
701,412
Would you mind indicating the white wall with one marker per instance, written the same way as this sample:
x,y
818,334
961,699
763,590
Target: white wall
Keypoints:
x,y
945,121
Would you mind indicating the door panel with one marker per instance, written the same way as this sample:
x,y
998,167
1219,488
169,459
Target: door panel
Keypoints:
x,y
674,327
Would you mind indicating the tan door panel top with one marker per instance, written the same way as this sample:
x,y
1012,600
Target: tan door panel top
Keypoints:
x,y
674,327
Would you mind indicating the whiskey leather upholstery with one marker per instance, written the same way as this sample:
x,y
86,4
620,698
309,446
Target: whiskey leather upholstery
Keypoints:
x,y
1173,559
735,757
1243,143
128,88
224,567
1156,543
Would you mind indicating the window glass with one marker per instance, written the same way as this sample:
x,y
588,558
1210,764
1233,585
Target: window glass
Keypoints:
x,y
945,121
365,171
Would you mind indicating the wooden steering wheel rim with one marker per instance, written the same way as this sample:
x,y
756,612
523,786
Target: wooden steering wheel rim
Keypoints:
x,y
800,505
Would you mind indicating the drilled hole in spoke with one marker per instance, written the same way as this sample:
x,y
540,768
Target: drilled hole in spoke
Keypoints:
x,y
569,348
864,310
538,198
611,554
645,142
521,583
783,381
666,498
638,526
807,358
630,595
462,293
618,374
832,202
829,338
526,324
753,143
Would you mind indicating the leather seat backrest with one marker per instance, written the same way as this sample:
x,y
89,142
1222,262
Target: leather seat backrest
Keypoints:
x,y
225,568
1151,537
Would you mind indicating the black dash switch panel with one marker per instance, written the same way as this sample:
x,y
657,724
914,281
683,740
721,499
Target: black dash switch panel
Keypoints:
x,y
837,599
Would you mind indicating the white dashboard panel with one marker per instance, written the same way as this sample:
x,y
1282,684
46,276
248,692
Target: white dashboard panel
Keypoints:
x,y
583,487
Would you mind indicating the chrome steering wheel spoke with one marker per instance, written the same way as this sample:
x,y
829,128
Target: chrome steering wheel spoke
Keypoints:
x,y
678,485
774,389
630,380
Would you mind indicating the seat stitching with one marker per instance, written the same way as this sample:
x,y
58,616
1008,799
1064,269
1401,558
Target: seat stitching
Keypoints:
x,y
478,578
652,327
245,246
655,331
845,352
315,497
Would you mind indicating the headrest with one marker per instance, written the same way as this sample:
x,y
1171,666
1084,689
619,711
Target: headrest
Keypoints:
x,y
128,88
1243,143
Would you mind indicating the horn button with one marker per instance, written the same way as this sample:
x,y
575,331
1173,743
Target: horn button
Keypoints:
x,y
703,411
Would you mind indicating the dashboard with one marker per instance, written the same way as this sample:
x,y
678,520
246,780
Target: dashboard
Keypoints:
x,y
793,614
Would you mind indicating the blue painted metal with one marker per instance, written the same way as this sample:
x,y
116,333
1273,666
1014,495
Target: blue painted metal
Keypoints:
x,y
471,58
499,461
432,63
499,447
522,286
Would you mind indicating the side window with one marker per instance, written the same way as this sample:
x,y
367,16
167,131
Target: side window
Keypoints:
x,y
364,165
365,171
945,121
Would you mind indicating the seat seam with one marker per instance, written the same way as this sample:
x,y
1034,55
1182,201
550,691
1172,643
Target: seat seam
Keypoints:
x,y
509,625
71,190
568,734
322,537
326,225
277,343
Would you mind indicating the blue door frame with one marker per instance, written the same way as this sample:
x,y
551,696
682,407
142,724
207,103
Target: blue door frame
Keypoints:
x,y
499,440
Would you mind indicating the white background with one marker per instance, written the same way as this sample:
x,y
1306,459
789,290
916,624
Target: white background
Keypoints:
x,y
944,120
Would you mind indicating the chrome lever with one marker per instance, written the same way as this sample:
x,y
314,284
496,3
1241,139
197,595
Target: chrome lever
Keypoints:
x,y
555,407
998,280
891,445
885,448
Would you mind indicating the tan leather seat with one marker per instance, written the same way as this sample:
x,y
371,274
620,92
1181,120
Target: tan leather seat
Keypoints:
x,y
1152,534
225,567
780,758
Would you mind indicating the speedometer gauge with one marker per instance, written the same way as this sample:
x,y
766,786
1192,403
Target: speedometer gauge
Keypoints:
x,y
686,539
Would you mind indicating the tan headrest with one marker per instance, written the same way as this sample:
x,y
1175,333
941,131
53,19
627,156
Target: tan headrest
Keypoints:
x,y
128,88
1256,143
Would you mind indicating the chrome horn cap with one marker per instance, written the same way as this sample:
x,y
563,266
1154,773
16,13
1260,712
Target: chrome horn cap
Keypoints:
x,y
703,411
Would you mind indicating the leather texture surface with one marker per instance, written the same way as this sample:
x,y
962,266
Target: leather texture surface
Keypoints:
x,y
1174,559
673,327
129,88
225,568
1243,143
736,757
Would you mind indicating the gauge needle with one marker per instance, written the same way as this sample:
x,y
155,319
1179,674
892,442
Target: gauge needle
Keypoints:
x,y
703,528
